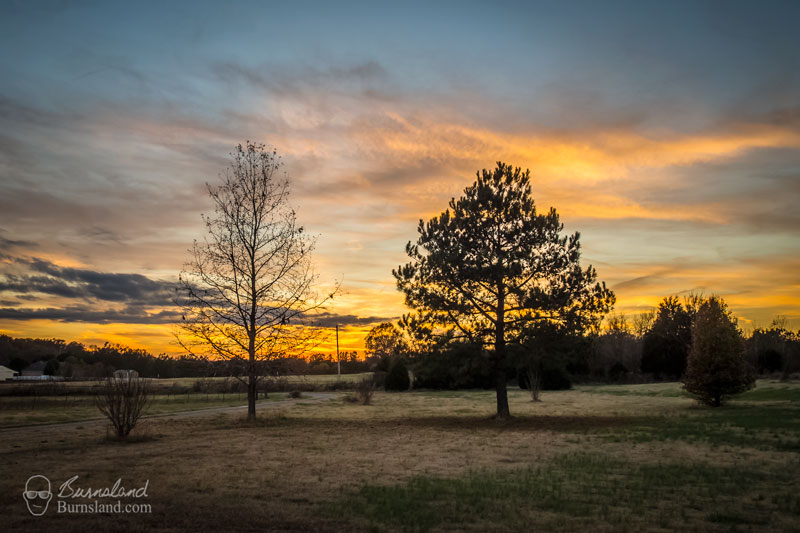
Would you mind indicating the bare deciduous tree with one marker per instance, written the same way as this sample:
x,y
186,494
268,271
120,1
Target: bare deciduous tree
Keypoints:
x,y
247,292
535,380
121,400
643,322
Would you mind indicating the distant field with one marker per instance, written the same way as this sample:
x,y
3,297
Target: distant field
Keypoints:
x,y
53,407
315,379
188,382
599,458
16,411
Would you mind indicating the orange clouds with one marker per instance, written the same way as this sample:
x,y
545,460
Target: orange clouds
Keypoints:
x,y
588,174
578,157
614,175
756,290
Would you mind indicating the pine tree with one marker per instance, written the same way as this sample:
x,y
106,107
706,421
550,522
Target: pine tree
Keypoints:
x,y
716,367
491,265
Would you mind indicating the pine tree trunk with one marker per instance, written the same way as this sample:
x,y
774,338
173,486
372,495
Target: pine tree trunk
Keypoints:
x,y
500,355
502,393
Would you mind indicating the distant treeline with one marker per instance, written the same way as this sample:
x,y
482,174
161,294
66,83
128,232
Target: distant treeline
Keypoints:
x,y
650,346
74,360
656,345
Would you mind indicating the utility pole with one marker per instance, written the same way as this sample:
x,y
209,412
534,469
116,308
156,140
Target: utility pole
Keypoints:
x,y
338,359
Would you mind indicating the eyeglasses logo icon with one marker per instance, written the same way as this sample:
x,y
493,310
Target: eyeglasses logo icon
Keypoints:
x,y
37,494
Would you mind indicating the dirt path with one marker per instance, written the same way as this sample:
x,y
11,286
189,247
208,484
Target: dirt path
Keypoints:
x,y
45,430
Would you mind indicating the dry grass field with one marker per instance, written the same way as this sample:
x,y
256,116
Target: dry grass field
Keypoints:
x,y
605,458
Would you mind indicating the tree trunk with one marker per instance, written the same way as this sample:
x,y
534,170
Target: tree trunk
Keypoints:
x,y
252,378
500,355
251,397
502,393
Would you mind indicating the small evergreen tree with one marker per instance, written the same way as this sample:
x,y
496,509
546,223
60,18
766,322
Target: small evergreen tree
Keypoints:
x,y
716,367
397,378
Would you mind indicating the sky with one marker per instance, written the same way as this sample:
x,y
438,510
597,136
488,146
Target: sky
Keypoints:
x,y
667,133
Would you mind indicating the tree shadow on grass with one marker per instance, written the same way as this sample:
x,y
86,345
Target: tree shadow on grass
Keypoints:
x,y
521,423
533,423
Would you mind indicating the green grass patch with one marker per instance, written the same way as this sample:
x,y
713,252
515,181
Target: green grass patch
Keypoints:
x,y
582,491
766,427
765,391
660,390
772,393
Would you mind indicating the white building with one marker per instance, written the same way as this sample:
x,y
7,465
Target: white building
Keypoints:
x,y
6,373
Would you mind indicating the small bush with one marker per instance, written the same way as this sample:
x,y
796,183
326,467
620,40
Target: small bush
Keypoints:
x,y
295,394
530,378
364,390
122,400
397,378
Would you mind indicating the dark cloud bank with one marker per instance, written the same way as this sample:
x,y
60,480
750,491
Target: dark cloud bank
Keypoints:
x,y
106,297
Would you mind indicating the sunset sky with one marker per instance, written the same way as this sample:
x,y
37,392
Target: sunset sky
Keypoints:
x,y
667,133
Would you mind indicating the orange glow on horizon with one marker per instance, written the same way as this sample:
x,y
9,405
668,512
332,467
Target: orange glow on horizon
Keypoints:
x,y
156,338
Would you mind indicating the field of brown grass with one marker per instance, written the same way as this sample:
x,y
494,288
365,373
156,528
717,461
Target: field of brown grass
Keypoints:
x,y
595,458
